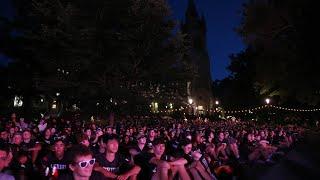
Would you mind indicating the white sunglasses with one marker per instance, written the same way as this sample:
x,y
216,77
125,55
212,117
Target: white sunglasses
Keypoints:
x,y
84,164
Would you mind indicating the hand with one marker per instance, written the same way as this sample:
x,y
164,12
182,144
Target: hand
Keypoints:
x,y
133,152
97,168
122,177
196,155
99,133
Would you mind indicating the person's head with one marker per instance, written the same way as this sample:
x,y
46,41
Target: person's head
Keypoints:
x,y
53,130
131,130
13,116
4,152
81,162
4,134
141,138
17,138
152,133
250,137
88,132
126,139
111,143
12,130
59,147
35,130
210,149
186,146
272,133
211,135
280,133
26,135
172,133
159,147
221,136
93,126
257,138
47,132
109,130
83,139
197,138
226,134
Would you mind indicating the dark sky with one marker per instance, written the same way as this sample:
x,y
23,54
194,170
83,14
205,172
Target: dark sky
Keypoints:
x,y
222,17
5,10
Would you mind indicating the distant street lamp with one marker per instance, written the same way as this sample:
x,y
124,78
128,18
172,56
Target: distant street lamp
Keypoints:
x,y
190,101
267,101
217,102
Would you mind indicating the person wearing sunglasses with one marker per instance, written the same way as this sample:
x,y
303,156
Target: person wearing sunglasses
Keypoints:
x,y
81,165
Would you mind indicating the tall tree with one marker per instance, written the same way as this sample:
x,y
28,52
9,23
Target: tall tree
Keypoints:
x,y
94,49
282,35
239,90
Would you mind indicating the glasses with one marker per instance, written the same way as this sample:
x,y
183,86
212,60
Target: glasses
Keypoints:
x,y
84,164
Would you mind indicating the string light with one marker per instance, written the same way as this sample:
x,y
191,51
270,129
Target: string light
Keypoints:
x,y
250,110
271,106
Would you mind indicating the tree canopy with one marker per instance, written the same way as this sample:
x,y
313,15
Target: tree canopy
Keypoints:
x,y
281,35
92,49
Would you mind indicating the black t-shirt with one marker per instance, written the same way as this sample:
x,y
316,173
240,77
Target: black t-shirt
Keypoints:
x,y
189,159
118,166
47,142
199,147
147,168
94,176
172,146
136,147
25,146
51,161
149,143
217,142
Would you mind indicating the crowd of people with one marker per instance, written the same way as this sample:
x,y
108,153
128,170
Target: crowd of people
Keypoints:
x,y
139,148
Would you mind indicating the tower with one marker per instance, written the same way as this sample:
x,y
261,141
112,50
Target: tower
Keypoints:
x,y
194,27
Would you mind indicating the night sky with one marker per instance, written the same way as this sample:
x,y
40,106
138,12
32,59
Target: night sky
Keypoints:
x,y
222,17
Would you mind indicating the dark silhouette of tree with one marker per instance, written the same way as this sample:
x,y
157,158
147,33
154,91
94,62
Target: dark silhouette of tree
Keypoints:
x,y
238,90
89,50
282,35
